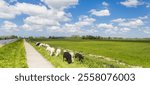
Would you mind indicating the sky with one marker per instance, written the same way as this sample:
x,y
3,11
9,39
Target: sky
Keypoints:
x,y
114,18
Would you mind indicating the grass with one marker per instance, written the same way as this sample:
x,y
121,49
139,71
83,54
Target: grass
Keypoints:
x,y
89,62
133,53
0,45
12,55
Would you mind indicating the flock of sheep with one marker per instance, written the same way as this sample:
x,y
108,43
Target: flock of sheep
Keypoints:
x,y
68,55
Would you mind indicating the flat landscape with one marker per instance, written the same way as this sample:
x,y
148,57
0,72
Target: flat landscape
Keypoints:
x,y
115,53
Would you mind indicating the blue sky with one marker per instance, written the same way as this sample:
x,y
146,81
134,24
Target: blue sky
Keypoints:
x,y
116,18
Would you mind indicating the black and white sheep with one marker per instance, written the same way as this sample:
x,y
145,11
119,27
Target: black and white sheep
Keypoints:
x,y
79,56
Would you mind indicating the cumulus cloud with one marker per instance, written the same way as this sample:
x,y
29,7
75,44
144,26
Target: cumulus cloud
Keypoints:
x,y
132,23
131,3
146,30
40,21
9,26
105,4
60,4
100,13
31,9
119,20
107,26
7,11
83,22
82,27
40,17
125,29
143,18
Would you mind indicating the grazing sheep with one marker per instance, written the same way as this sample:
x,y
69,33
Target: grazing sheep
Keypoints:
x,y
46,45
58,51
72,56
67,57
51,50
79,56
41,44
48,48
38,43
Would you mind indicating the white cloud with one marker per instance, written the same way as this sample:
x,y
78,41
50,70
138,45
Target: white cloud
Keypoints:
x,y
105,4
7,11
60,4
41,17
32,9
146,30
100,13
84,21
125,29
132,23
131,3
9,26
119,20
36,20
107,26
144,17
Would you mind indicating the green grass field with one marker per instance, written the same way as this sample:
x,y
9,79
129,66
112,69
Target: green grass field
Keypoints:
x,y
12,55
131,53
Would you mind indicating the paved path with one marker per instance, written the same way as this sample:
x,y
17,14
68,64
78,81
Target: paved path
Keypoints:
x,y
35,59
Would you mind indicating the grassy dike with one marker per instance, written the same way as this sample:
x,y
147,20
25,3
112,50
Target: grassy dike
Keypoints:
x,y
89,62
12,55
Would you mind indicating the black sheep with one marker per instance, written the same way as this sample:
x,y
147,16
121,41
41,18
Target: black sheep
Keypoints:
x,y
67,56
79,56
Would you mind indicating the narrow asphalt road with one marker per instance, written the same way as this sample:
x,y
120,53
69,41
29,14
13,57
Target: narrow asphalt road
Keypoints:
x,y
35,59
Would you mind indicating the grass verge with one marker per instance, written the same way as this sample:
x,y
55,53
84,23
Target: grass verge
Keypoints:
x,y
12,55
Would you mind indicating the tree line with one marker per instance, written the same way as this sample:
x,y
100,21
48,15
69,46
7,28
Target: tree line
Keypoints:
x,y
8,37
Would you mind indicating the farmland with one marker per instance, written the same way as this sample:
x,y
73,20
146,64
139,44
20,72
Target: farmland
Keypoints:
x,y
135,53
12,55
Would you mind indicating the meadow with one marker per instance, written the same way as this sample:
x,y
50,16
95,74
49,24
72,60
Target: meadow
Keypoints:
x,y
12,55
135,53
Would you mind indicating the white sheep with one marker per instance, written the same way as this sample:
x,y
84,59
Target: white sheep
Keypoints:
x,y
46,45
48,48
58,51
52,50
41,44
72,55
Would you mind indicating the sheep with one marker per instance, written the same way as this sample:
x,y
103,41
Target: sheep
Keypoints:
x,y
72,56
79,56
37,43
51,50
67,56
58,51
48,48
46,45
41,44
